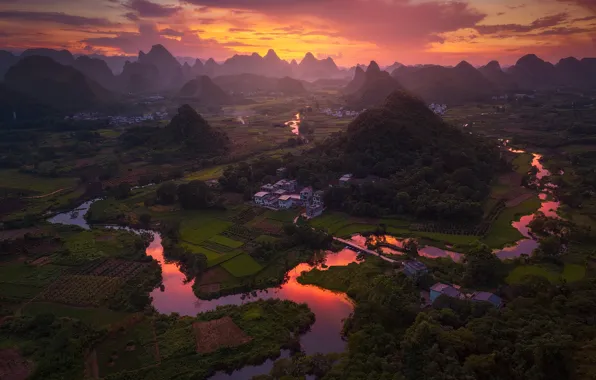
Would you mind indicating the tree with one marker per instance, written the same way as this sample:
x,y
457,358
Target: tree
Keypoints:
x,y
482,267
167,193
195,195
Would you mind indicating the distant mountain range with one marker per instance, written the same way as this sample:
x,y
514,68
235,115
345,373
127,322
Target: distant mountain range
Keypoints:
x,y
465,83
57,79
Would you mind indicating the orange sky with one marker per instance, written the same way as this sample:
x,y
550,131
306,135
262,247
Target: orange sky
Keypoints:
x,y
350,31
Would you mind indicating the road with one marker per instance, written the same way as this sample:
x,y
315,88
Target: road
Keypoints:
x,y
365,250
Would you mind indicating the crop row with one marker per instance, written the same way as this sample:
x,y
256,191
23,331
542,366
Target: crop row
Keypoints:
x,y
213,246
82,290
112,268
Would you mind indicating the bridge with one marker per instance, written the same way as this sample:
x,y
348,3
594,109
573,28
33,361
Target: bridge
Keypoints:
x,y
356,247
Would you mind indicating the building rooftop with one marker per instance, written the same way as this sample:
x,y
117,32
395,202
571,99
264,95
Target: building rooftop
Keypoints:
x,y
309,189
486,297
416,265
285,197
448,290
261,194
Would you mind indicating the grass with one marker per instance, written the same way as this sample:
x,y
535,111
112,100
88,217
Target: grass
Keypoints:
x,y
23,274
571,273
284,216
89,245
201,227
523,163
266,239
502,232
98,317
242,266
206,174
211,255
12,178
226,241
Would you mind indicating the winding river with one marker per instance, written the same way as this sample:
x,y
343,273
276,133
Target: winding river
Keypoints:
x,y
330,308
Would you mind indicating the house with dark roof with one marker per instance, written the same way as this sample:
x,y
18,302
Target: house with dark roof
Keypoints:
x,y
414,269
491,298
440,289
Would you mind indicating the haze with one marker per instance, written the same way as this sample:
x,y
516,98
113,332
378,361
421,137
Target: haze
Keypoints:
x,y
349,31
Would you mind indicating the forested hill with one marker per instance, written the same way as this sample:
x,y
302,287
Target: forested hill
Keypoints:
x,y
405,159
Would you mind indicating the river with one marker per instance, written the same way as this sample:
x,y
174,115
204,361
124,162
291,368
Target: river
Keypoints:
x,y
330,308
524,246
295,124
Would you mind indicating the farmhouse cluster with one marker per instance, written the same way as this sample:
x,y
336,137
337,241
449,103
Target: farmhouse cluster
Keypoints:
x,y
286,194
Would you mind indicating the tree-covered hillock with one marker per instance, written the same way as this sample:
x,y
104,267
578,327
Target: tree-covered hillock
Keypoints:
x,y
405,160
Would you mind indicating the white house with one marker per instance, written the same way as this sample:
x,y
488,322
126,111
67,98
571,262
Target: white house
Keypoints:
x,y
285,202
259,197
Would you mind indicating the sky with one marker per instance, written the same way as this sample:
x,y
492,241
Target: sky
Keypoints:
x,y
350,31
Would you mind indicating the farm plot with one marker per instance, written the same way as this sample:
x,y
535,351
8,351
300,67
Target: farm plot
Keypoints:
x,y
219,333
242,266
89,245
80,290
96,317
202,228
112,268
241,233
13,366
175,338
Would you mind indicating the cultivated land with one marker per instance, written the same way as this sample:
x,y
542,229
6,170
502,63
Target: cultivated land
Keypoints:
x,y
102,277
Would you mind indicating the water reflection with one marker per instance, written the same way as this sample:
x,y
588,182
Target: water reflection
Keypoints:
x,y
548,207
435,253
295,124
75,217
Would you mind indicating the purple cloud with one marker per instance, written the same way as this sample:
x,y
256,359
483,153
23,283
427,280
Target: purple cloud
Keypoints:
x,y
55,17
146,8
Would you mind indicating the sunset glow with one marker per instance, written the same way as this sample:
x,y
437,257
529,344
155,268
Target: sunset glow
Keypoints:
x,y
350,31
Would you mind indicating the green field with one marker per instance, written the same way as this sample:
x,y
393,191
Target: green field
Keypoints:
x,y
502,232
89,245
23,274
202,226
96,317
206,174
571,273
242,266
226,241
44,185
211,255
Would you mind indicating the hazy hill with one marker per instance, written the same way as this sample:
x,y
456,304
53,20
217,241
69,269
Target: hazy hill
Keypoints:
x,y
138,78
168,67
500,79
187,134
97,70
7,59
203,90
531,72
63,57
446,85
290,86
59,86
311,68
372,88
572,72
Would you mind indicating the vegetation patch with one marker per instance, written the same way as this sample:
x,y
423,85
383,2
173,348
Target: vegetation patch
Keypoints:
x,y
98,317
127,349
225,241
13,366
219,333
570,273
242,265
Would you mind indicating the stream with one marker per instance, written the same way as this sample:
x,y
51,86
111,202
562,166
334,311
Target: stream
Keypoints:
x,y
330,308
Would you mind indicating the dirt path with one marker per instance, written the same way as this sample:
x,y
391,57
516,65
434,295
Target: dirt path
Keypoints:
x,y
518,200
46,195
